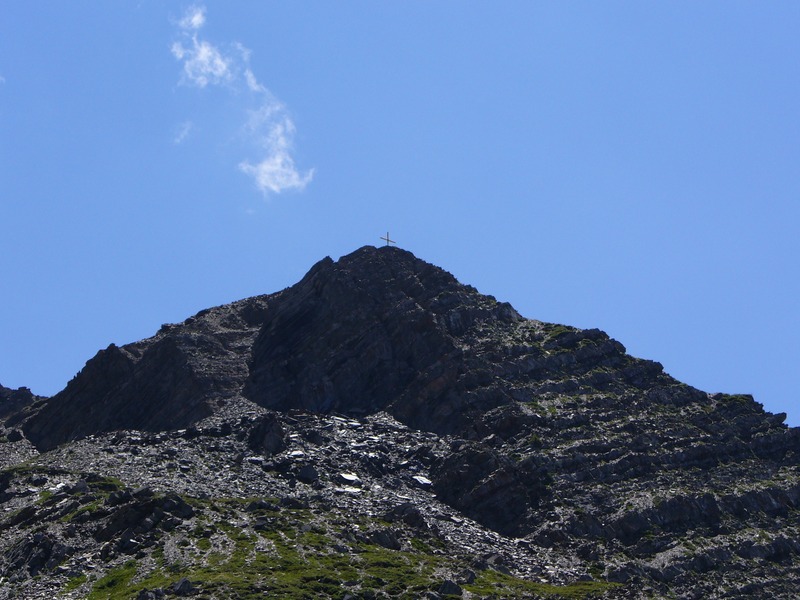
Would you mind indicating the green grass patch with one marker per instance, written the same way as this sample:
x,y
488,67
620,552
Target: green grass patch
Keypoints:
x,y
104,484
496,584
115,584
86,508
75,582
204,544
554,330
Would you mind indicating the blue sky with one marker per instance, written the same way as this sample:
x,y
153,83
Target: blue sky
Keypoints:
x,y
631,166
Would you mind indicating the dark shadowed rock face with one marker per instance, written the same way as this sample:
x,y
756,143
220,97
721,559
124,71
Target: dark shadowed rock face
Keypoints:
x,y
166,382
379,329
383,330
488,486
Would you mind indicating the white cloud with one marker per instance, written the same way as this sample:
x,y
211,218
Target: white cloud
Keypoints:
x,y
264,123
276,171
194,18
182,132
268,128
252,82
203,63
2,79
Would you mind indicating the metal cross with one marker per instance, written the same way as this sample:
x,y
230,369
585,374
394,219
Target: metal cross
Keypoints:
x,y
388,240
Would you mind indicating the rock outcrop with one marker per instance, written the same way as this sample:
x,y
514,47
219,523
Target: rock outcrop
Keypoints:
x,y
379,409
12,402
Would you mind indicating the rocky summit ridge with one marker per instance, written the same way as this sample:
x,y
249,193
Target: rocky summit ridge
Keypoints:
x,y
380,430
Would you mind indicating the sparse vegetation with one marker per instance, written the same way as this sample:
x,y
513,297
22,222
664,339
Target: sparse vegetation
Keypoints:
x,y
75,582
308,562
554,330
495,584
114,585
85,509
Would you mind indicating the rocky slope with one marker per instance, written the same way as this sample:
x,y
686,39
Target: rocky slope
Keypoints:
x,y
381,430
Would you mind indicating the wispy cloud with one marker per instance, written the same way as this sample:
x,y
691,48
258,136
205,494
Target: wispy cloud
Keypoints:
x,y
194,18
2,79
268,127
182,132
203,63
273,130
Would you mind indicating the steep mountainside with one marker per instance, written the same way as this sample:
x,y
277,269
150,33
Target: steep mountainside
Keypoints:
x,y
404,435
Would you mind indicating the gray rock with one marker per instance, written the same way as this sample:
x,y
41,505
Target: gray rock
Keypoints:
x,y
385,537
407,513
349,479
450,588
466,577
267,436
183,587
307,474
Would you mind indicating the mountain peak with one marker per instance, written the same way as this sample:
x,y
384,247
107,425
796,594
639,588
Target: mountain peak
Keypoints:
x,y
379,379
384,267
377,315
367,333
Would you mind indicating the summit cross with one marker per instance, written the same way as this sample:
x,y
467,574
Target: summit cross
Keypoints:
x,y
388,240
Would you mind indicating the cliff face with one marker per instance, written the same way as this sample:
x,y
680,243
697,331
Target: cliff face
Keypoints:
x,y
169,381
380,385
379,330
